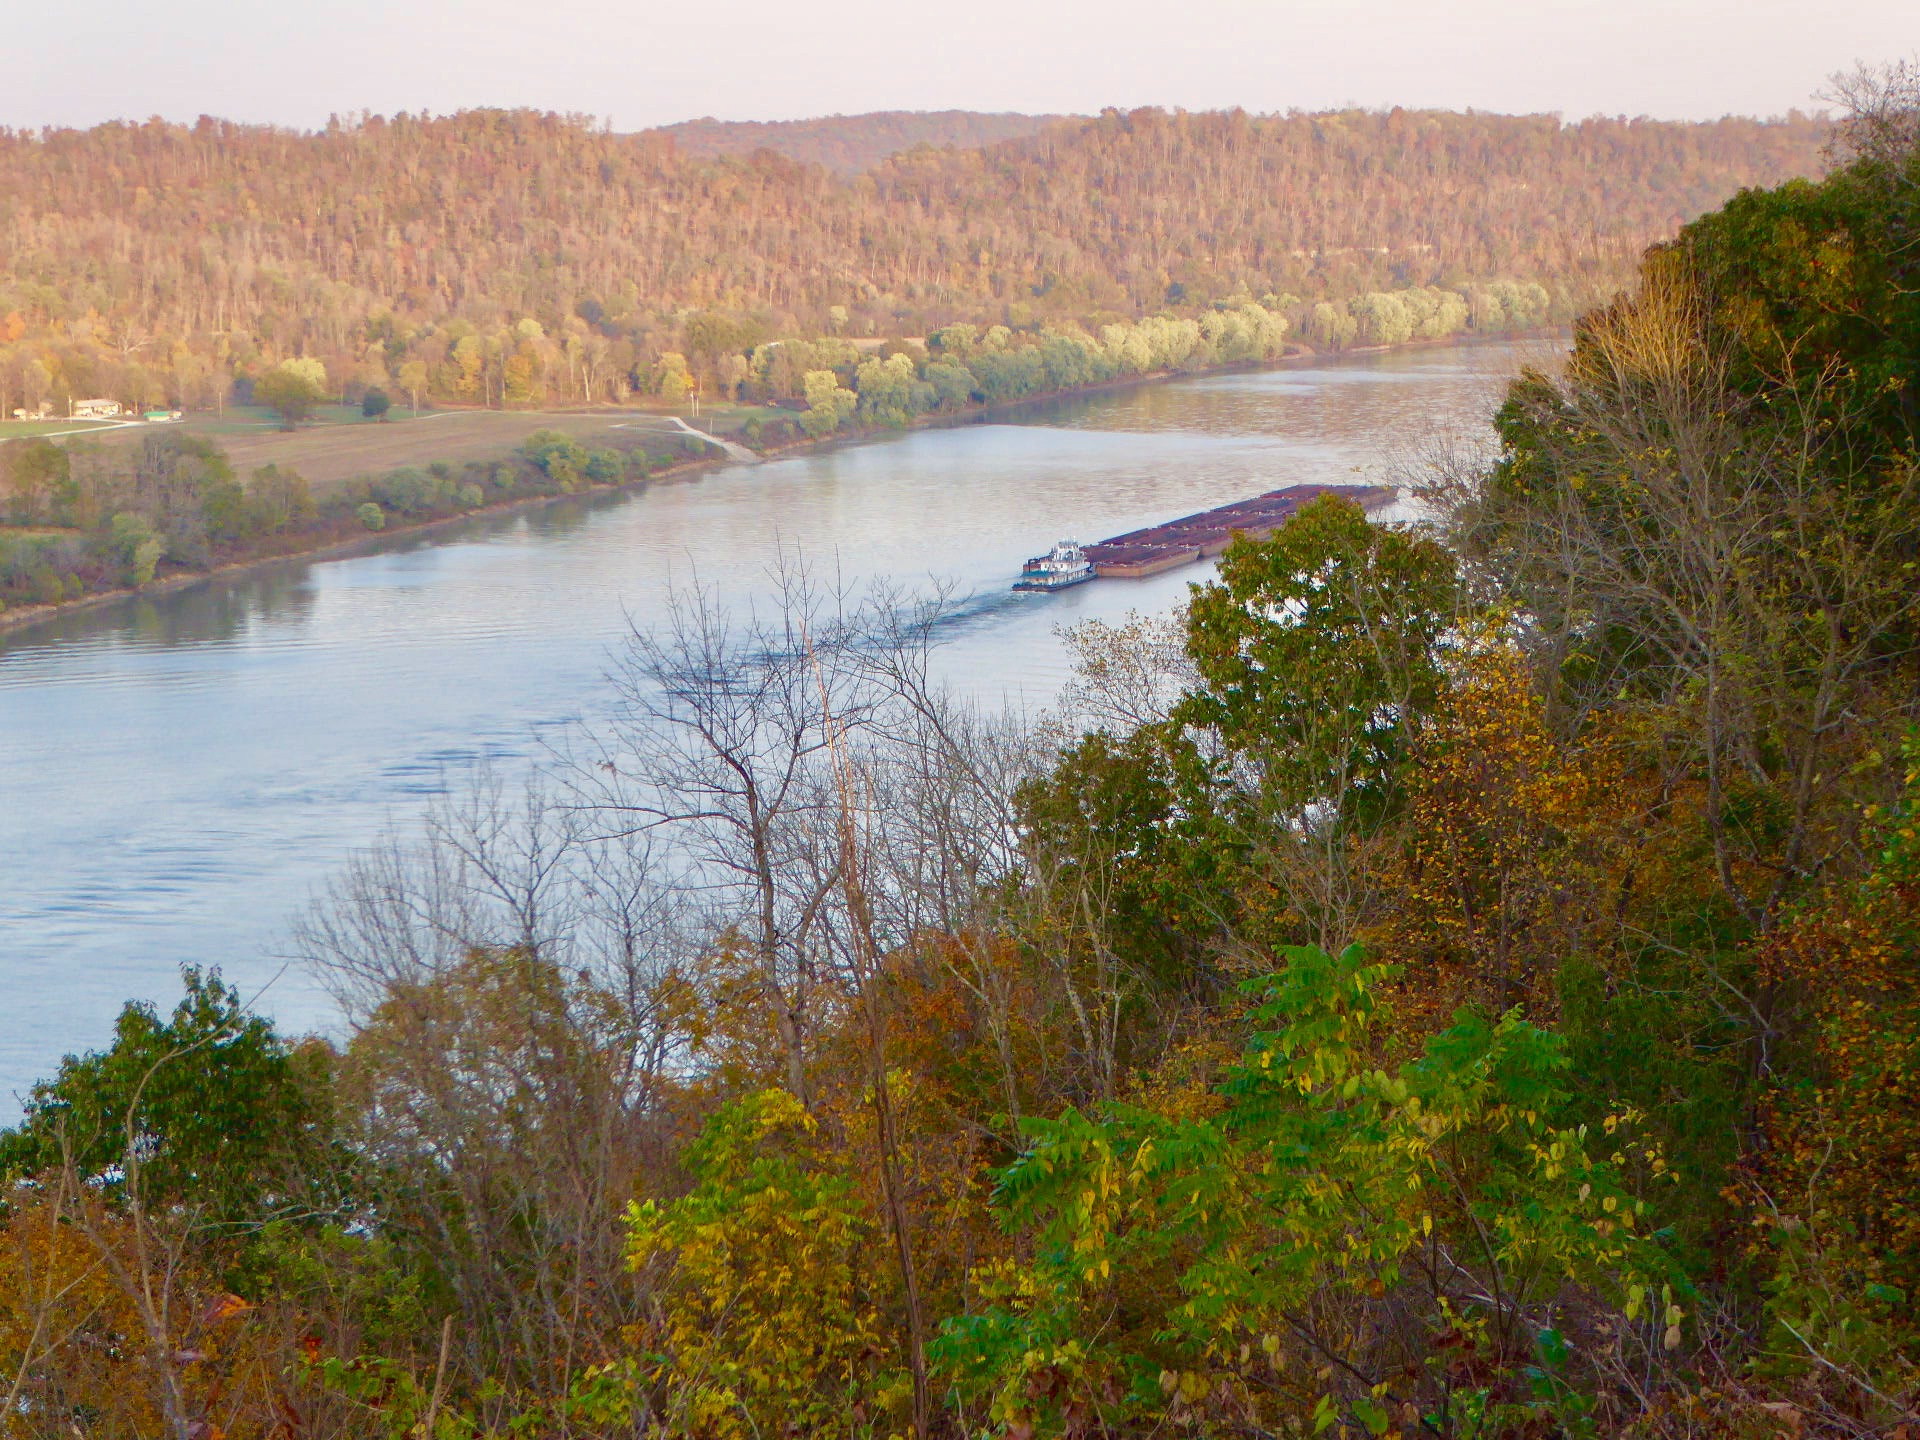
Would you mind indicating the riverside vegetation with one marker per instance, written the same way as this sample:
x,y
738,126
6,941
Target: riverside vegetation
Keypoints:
x,y
1455,981
85,517
90,515
520,260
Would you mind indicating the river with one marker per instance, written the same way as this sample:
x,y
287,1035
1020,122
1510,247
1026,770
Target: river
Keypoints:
x,y
178,773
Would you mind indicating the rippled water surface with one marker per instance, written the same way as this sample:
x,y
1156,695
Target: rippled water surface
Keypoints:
x,y
176,775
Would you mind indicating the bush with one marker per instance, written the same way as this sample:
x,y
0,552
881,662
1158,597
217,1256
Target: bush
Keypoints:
x,y
131,539
409,491
559,456
603,467
375,404
470,496
372,516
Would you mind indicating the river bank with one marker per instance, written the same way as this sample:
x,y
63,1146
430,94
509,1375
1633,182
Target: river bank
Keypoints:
x,y
188,769
333,545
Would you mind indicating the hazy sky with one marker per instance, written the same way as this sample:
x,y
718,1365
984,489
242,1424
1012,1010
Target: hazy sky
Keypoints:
x,y
663,60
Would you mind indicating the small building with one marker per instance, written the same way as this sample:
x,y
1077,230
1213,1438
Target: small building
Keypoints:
x,y
95,409
160,417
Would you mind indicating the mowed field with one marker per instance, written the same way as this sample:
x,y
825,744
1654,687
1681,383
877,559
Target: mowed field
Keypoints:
x,y
28,429
339,449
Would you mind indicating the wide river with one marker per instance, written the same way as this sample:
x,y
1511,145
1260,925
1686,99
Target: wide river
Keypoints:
x,y
178,774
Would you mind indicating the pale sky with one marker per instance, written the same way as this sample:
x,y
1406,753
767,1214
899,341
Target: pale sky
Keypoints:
x,y
656,61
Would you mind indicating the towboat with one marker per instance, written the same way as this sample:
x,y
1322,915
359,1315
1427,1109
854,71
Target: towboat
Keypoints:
x,y
1066,564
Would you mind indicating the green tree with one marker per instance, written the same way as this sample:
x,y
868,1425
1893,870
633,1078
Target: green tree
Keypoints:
x,y
829,404
1317,649
280,499
221,1113
672,381
292,391
1332,1241
132,541
375,404
37,472
560,457
952,384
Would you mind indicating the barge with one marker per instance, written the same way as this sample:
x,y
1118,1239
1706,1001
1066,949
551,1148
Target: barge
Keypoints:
x,y
1140,553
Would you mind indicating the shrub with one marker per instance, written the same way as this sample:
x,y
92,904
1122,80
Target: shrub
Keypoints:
x,y
372,516
131,540
559,456
410,491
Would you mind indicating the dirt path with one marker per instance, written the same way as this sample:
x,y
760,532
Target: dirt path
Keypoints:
x,y
734,450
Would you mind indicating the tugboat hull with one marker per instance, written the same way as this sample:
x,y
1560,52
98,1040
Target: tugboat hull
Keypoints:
x,y
1050,582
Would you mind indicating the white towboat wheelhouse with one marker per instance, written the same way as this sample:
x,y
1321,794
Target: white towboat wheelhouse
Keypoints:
x,y
1066,564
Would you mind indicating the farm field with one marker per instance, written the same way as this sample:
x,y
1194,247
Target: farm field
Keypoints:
x,y
342,446
27,429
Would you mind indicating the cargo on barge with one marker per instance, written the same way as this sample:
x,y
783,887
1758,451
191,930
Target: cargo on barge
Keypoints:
x,y
1140,553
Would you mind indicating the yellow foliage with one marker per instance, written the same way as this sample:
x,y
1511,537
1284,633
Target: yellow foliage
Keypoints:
x,y
96,1322
767,1321
1510,855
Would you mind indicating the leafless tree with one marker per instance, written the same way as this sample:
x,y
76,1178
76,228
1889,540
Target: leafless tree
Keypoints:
x,y
513,985
717,747
1879,114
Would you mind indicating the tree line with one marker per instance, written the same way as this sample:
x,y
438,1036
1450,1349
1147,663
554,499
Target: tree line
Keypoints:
x,y
848,144
87,517
512,258
1448,980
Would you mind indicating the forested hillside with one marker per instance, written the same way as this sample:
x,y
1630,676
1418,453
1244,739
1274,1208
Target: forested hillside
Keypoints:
x,y
1457,980
516,258
848,144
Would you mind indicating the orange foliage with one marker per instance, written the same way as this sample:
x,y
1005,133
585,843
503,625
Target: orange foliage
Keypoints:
x,y
98,1317
1512,853
1847,1145
153,260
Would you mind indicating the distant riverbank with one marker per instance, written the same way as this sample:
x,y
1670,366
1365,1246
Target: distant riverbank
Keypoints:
x,y
328,542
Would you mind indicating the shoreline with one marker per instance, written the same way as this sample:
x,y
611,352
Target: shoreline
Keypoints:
x,y
24,617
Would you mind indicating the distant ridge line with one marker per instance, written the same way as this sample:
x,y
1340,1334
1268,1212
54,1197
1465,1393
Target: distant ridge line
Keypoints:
x,y
848,144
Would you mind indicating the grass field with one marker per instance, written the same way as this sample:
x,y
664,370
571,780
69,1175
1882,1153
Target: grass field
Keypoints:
x,y
27,429
342,446
252,419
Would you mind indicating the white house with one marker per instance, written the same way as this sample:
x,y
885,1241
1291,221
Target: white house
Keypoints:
x,y
95,409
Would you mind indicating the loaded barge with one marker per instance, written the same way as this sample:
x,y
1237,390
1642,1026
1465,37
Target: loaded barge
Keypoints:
x,y
1140,553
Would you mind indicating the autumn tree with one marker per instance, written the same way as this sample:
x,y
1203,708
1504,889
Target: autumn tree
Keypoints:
x,y
292,389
